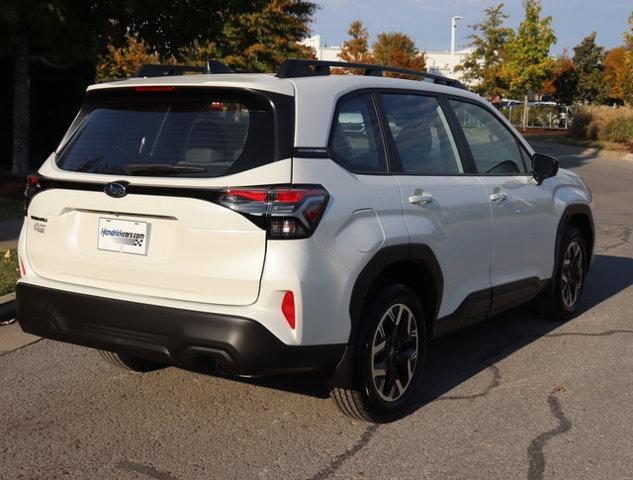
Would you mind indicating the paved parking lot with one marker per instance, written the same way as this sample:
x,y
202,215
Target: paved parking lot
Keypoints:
x,y
515,397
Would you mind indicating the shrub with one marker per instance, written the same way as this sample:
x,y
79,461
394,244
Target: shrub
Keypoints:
x,y
619,130
590,123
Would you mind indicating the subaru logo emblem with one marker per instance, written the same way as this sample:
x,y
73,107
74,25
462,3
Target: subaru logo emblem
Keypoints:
x,y
115,189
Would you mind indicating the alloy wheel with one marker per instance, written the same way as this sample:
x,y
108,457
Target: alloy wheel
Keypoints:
x,y
394,352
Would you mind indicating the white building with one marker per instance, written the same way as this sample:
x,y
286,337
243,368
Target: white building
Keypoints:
x,y
323,52
439,63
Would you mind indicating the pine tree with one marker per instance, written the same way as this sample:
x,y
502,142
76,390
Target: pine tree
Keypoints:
x,y
356,49
261,40
482,68
588,57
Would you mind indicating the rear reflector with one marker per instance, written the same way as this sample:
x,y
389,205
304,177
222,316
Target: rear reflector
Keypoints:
x,y
288,308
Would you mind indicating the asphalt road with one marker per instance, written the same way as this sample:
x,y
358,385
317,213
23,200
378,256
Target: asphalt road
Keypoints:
x,y
513,398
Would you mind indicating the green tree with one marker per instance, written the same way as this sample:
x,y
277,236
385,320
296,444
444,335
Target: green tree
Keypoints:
x,y
588,57
528,63
62,32
398,50
482,68
259,41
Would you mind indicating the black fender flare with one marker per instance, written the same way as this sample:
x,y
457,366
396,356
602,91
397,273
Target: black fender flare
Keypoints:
x,y
343,375
416,253
569,212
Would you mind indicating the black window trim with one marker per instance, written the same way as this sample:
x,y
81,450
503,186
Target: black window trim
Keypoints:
x,y
495,113
337,158
394,156
463,148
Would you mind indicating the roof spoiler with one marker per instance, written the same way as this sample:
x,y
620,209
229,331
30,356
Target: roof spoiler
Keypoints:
x,y
156,70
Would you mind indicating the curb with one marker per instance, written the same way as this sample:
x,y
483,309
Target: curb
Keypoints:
x,y
7,307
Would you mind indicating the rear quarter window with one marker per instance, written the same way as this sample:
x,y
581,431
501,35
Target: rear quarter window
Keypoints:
x,y
194,134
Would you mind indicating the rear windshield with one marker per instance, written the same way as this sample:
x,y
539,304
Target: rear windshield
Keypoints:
x,y
190,134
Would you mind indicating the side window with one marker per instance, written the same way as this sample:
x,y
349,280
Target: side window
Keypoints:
x,y
495,150
355,140
421,135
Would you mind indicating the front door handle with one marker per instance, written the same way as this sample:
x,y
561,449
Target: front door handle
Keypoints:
x,y
422,199
498,197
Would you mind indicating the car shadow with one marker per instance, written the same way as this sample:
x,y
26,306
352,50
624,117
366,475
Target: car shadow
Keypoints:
x,y
458,357
455,358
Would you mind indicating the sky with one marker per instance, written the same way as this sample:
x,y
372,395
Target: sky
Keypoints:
x,y
428,21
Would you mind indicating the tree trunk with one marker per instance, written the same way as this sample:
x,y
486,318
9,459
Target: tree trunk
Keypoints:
x,y
21,105
525,112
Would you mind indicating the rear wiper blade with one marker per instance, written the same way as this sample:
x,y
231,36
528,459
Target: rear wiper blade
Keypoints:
x,y
160,168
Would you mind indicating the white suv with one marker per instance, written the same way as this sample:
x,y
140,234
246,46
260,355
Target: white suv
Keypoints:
x,y
297,222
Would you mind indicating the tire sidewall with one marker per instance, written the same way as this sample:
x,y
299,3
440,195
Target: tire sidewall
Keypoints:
x,y
570,235
388,297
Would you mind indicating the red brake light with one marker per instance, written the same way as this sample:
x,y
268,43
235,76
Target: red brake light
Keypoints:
x,y
252,195
288,308
289,196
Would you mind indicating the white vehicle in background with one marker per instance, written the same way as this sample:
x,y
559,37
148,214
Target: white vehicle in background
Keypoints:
x,y
297,222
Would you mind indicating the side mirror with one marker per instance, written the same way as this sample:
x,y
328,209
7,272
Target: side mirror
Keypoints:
x,y
543,166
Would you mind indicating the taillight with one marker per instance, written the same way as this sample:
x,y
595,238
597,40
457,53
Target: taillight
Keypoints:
x,y
32,187
285,212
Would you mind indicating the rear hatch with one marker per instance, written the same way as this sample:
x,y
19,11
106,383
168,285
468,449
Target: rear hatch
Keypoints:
x,y
130,201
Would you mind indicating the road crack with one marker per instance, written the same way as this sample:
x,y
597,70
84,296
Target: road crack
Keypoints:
x,y
536,449
2,354
606,333
338,461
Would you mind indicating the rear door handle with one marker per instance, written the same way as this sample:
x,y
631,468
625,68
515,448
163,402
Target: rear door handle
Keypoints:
x,y
423,199
498,197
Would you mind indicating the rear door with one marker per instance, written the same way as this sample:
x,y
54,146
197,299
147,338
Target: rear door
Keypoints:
x,y
130,203
444,207
523,212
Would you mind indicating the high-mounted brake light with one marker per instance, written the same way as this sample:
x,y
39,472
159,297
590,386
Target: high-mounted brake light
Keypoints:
x,y
157,88
286,212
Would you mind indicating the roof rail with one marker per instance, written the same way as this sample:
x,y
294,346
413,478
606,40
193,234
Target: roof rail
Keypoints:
x,y
155,70
309,68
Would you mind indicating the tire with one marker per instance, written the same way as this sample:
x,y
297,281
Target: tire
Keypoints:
x,y
383,398
129,362
559,302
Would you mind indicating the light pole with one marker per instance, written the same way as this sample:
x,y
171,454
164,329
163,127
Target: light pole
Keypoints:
x,y
453,29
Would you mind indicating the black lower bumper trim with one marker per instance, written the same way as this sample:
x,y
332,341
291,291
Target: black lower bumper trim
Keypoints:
x,y
173,336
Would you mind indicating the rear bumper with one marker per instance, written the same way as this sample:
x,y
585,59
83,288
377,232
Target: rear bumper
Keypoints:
x,y
183,338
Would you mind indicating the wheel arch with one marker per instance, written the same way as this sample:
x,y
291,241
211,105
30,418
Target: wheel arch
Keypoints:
x,y
580,216
412,265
